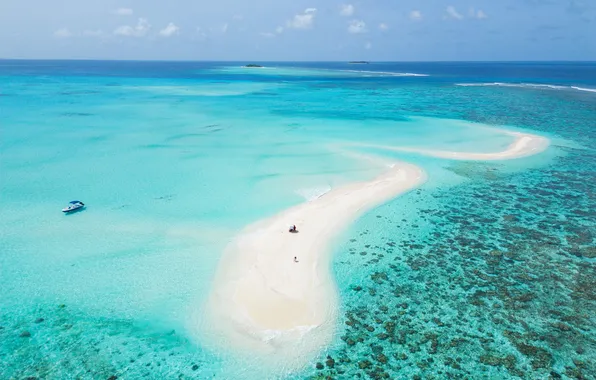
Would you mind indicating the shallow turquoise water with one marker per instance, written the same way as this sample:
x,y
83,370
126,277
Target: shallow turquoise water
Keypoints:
x,y
485,271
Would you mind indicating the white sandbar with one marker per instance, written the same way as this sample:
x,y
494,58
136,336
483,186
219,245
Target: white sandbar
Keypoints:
x,y
525,144
263,299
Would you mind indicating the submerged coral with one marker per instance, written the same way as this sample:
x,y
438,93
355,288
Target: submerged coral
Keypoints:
x,y
500,286
62,344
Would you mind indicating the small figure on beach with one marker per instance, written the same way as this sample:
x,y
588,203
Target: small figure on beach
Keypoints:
x,y
293,229
295,259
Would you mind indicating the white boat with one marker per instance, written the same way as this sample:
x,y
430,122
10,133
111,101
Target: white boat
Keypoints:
x,y
73,206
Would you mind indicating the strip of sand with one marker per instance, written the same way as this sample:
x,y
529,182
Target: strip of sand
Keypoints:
x,y
524,145
263,298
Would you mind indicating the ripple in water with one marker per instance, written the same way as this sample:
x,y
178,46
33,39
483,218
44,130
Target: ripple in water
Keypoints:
x,y
312,193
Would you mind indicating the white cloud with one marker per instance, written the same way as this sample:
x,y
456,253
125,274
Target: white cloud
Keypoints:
x,y
169,30
62,33
223,28
278,30
140,30
477,14
368,45
200,35
93,33
383,26
347,10
452,13
123,11
303,20
357,26
415,15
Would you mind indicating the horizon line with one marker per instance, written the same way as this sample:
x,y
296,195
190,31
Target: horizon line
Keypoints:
x,y
290,61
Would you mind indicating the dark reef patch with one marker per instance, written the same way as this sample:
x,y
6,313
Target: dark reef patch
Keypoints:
x,y
67,344
502,285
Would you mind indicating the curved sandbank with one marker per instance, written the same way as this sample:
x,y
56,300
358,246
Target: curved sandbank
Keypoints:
x,y
266,303
525,144
263,299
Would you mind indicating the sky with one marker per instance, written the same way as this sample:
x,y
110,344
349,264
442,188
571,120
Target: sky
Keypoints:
x,y
299,30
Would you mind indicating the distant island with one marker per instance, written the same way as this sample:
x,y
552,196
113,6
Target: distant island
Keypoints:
x,y
365,62
253,65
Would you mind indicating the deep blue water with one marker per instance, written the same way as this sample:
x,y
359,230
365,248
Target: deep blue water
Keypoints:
x,y
535,72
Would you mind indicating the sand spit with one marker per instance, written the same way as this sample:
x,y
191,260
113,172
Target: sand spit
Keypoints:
x,y
263,299
524,145
282,309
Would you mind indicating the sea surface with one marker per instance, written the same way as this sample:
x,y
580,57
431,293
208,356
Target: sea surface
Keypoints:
x,y
488,270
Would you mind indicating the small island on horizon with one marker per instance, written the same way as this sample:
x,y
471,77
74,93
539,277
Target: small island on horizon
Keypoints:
x,y
360,62
253,65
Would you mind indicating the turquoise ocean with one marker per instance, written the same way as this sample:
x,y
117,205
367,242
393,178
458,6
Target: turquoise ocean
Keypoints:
x,y
485,271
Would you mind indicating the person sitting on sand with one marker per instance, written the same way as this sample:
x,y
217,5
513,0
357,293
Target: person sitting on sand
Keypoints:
x,y
293,228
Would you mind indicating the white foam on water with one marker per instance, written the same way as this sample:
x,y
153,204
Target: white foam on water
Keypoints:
x,y
527,85
385,73
583,89
322,71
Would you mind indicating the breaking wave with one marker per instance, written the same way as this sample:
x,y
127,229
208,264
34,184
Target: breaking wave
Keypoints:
x,y
527,85
384,73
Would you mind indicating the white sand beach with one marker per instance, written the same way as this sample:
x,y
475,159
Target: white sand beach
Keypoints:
x,y
524,145
263,301
262,297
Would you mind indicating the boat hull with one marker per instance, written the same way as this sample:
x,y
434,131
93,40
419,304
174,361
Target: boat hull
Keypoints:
x,y
71,210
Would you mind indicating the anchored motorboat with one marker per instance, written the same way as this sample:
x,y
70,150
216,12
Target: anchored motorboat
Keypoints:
x,y
73,206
